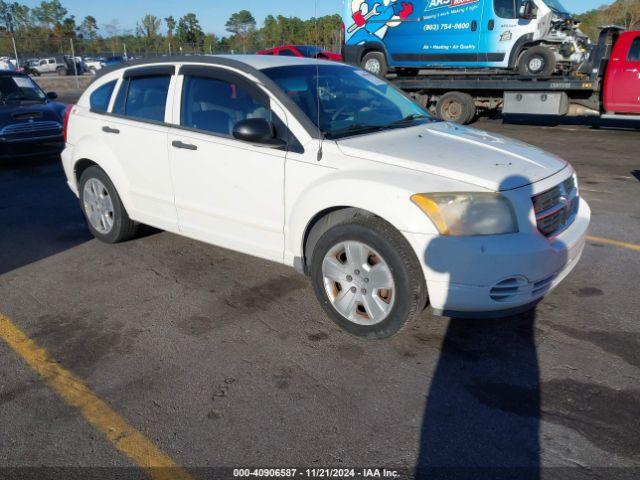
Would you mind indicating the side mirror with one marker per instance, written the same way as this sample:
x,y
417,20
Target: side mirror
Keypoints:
x,y
52,95
258,131
526,10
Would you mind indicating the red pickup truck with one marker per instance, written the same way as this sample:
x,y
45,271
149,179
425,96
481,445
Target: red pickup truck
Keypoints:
x,y
621,92
607,86
307,51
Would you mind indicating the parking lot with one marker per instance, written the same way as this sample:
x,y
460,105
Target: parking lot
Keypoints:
x,y
220,360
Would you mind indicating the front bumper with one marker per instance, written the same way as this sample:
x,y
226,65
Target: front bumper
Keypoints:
x,y
32,148
498,275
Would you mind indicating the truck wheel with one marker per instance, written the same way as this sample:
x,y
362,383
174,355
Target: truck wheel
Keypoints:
x,y
61,71
376,63
456,107
537,62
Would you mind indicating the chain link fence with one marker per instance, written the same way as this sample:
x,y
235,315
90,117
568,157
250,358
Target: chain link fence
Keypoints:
x,y
34,47
31,48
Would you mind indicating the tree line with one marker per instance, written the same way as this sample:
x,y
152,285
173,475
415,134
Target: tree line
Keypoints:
x,y
49,27
625,13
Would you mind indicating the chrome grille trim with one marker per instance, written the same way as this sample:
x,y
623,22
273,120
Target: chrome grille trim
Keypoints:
x,y
557,208
30,127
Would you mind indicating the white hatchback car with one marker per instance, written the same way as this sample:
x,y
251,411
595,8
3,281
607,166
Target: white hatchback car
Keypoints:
x,y
331,170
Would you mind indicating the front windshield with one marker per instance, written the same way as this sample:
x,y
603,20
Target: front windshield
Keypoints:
x,y
309,51
344,101
556,6
18,89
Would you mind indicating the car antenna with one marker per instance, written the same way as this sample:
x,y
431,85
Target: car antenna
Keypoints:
x,y
320,134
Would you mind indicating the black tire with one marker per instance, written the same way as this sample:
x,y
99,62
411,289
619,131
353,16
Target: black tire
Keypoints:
x,y
458,107
61,71
376,63
123,227
537,61
410,292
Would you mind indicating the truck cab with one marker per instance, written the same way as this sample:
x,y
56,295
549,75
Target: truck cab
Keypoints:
x,y
533,37
622,79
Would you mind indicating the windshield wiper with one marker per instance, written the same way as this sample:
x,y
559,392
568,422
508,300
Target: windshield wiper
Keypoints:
x,y
356,129
409,119
20,99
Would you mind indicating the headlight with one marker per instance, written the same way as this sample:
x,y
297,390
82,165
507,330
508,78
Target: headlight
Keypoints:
x,y
468,214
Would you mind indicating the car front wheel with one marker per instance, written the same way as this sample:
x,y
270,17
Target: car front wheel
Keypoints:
x,y
366,276
106,216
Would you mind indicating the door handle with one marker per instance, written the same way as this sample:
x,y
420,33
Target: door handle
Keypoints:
x,y
110,130
182,145
474,26
631,70
492,24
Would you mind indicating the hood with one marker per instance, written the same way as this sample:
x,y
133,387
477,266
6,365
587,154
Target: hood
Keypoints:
x,y
460,153
24,112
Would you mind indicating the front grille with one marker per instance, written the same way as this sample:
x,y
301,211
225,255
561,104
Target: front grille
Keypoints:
x,y
30,131
30,127
520,289
510,289
556,209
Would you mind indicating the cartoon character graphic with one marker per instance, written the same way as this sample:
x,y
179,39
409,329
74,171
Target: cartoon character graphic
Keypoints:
x,y
373,18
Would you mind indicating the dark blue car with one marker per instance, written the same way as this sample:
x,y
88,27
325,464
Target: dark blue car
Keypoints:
x,y
31,122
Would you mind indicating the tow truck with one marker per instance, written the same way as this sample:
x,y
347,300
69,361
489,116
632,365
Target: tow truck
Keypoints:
x,y
607,86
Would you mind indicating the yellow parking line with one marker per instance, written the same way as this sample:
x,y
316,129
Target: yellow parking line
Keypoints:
x,y
123,436
615,243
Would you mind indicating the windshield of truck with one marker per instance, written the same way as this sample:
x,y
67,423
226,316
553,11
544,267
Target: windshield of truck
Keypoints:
x,y
344,101
19,89
309,51
556,6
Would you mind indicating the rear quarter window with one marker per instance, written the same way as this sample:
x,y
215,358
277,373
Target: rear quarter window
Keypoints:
x,y
99,100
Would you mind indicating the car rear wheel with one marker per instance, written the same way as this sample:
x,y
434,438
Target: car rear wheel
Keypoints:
x,y
456,107
366,276
61,71
106,217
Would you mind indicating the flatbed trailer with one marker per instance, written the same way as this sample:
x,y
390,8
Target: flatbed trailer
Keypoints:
x,y
595,91
459,98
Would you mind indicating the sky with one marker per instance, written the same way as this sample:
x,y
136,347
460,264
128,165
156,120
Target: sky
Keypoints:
x,y
213,14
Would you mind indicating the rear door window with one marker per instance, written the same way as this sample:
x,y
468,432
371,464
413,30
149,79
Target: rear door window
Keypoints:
x,y
143,98
100,99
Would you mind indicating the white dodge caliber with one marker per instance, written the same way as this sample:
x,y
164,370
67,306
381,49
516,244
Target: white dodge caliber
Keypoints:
x,y
331,170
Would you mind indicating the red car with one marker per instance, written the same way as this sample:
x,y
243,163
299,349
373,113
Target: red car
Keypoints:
x,y
307,51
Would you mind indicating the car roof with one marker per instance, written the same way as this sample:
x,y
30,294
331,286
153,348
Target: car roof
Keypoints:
x,y
250,64
245,62
262,62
